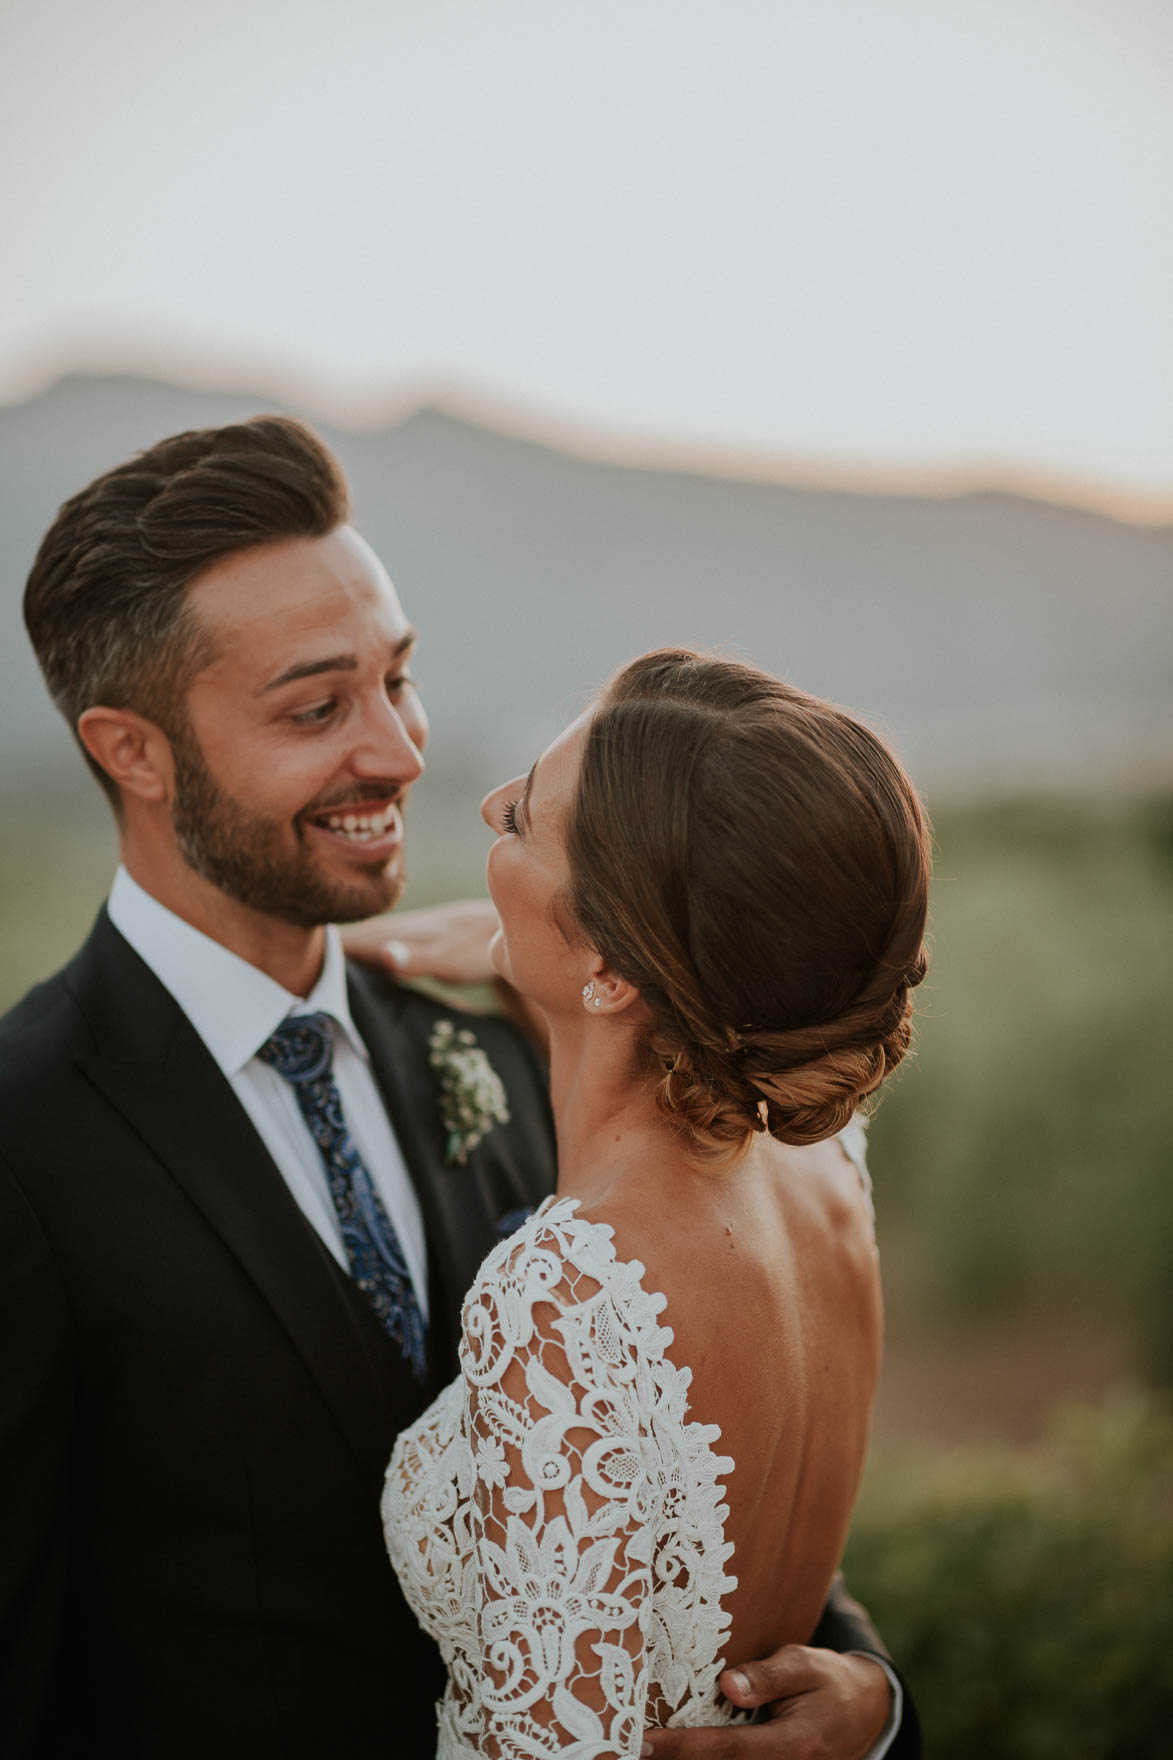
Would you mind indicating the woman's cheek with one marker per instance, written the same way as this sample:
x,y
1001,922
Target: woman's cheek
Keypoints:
x,y
503,887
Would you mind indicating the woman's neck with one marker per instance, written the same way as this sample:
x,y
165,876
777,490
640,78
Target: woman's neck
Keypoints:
x,y
604,1113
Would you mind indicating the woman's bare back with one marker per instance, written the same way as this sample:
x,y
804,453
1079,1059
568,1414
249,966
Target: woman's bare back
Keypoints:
x,y
773,1296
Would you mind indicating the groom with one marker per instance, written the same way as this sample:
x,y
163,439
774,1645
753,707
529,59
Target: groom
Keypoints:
x,y
237,1210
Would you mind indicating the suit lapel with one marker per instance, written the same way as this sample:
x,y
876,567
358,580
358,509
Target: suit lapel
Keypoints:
x,y
462,1205
399,1066
151,1065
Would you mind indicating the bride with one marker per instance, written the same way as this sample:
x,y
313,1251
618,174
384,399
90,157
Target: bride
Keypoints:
x,y
713,887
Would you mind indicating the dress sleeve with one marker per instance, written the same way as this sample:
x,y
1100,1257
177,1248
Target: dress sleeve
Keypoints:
x,y
557,1423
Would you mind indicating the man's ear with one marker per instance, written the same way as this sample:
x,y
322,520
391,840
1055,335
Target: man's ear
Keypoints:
x,y
133,751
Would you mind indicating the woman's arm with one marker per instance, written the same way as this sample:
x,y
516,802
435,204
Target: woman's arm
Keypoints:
x,y
560,1531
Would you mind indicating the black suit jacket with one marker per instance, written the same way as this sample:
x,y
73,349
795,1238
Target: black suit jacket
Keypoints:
x,y
196,1405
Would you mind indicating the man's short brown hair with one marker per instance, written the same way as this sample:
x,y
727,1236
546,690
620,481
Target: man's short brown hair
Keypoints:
x,y
105,604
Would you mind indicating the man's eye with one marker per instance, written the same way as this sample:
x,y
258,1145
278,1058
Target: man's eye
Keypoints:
x,y
397,680
509,818
317,716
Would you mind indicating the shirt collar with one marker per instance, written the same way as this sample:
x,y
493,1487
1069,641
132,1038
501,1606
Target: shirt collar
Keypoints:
x,y
233,1006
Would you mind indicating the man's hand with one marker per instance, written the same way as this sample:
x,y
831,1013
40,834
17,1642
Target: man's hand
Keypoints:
x,y
448,942
818,1705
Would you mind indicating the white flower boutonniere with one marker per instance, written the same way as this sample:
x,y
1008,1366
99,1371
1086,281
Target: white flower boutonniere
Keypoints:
x,y
472,1094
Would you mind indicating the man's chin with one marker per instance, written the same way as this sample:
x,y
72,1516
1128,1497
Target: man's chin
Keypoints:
x,y
311,898
371,896
356,903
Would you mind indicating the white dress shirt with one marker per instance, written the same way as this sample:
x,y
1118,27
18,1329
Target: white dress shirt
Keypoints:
x,y
235,1008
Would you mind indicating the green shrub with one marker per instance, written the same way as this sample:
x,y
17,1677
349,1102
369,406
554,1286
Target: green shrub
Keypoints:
x,y
1024,1161
1029,1596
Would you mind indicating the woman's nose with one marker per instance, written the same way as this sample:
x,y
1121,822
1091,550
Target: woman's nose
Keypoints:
x,y
491,805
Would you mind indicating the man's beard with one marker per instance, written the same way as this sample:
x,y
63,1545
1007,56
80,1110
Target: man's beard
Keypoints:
x,y
246,856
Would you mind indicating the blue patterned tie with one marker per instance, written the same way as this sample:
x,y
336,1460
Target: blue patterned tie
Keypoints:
x,y
302,1051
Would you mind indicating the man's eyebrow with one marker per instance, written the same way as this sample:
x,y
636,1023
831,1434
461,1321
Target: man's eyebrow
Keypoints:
x,y
523,803
333,663
310,669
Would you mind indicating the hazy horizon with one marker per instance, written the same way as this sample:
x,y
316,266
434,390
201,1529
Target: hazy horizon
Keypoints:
x,y
393,402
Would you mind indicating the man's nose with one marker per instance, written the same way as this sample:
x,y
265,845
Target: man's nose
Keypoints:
x,y
387,748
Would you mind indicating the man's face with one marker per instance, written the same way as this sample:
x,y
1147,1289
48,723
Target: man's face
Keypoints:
x,y
302,737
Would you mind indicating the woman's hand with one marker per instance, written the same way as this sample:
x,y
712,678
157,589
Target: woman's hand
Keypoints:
x,y
448,942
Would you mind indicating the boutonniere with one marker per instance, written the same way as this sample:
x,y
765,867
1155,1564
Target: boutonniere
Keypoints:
x,y
472,1094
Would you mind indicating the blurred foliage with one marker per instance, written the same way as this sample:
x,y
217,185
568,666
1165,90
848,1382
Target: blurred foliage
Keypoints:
x,y
1024,1158
1029,1597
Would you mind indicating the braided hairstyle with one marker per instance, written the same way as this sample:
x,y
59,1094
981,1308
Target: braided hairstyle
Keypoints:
x,y
756,863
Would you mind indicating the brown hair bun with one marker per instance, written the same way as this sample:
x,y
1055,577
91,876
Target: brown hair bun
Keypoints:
x,y
757,863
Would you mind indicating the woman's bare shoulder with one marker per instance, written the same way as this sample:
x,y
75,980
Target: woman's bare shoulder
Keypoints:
x,y
750,1238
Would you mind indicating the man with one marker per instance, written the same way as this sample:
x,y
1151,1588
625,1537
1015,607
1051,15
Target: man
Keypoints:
x,y
236,1219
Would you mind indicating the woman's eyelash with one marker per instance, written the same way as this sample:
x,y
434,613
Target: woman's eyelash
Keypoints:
x,y
509,817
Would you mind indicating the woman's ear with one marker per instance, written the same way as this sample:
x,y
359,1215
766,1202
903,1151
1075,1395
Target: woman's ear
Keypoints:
x,y
133,751
607,993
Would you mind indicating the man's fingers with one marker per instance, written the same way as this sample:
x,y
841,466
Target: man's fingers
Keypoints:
x,y
399,953
822,1706
788,1671
735,1742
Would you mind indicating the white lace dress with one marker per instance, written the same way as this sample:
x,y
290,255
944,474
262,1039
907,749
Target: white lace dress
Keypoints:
x,y
555,1519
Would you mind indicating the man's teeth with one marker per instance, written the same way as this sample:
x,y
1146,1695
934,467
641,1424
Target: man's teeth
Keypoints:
x,y
362,827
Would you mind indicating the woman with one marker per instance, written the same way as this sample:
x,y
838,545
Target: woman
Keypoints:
x,y
714,889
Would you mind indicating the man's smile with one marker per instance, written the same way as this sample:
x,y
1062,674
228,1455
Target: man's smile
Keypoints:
x,y
375,828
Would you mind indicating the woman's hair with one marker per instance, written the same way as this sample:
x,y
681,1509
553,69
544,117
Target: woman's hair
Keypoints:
x,y
756,863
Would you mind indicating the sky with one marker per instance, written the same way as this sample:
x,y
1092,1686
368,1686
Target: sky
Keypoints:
x,y
877,232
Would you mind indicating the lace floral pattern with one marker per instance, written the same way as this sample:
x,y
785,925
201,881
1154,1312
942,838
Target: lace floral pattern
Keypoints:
x,y
555,1519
